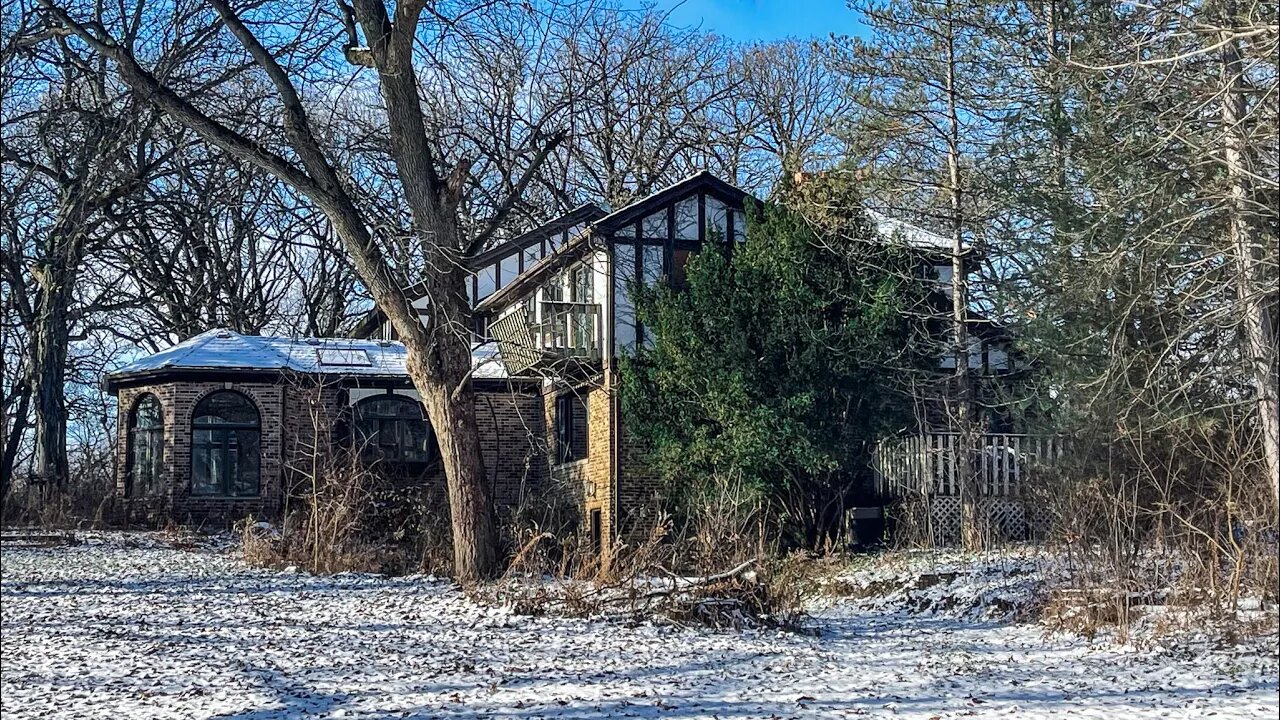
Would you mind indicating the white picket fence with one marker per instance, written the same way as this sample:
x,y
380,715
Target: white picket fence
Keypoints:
x,y
930,463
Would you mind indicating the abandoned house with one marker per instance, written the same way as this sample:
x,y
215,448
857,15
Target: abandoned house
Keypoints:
x,y
213,427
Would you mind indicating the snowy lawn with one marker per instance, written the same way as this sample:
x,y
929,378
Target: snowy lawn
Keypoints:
x,y
106,630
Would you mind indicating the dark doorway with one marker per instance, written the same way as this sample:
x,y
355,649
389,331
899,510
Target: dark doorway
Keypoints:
x,y
597,535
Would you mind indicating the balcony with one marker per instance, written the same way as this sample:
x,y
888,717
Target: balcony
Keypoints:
x,y
568,331
571,329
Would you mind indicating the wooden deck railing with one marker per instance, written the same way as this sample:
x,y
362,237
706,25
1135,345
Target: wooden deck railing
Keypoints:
x,y
567,330
571,329
930,463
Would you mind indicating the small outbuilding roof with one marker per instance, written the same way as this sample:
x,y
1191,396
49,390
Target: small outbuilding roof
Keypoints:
x,y
913,235
227,350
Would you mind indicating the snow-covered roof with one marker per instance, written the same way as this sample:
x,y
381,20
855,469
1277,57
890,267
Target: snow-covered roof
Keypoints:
x,y
913,235
222,349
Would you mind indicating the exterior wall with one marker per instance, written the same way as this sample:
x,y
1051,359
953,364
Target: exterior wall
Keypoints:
x,y
298,418
639,489
599,488
586,482
311,414
173,498
512,429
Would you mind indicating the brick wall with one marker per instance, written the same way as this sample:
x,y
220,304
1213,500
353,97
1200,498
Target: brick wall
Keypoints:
x,y
639,489
600,465
172,497
587,483
512,432
511,426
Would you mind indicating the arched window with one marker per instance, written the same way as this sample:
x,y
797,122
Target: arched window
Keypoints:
x,y
225,434
390,428
146,446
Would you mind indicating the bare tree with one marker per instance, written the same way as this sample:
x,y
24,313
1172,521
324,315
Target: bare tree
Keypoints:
x,y
74,146
644,114
396,43
785,111
922,112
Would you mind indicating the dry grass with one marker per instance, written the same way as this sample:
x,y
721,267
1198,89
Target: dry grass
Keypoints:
x,y
87,501
709,573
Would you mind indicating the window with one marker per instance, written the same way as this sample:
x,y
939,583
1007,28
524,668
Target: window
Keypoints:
x,y
717,220
146,446
571,428
580,284
624,315
553,291
654,227
510,266
651,264
679,261
739,226
391,428
486,282
225,454
532,255
597,532
342,356
687,219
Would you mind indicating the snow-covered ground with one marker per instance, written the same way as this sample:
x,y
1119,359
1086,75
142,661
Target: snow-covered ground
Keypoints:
x,y
117,628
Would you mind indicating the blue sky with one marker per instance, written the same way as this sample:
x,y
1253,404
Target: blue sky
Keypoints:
x,y
747,20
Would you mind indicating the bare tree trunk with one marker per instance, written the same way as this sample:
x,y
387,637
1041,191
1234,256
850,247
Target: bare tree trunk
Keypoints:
x,y
453,415
48,386
1251,282
16,426
962,392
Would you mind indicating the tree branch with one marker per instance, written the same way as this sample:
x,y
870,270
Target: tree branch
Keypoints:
x,y
478,242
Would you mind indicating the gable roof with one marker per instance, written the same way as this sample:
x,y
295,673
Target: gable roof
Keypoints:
x,y
225,350
584,213
700,181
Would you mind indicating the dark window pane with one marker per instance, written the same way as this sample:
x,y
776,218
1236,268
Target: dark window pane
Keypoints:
x,y
147,413
244,481
679,262
146,446
391,428
571,428
225,446
226,408
205,445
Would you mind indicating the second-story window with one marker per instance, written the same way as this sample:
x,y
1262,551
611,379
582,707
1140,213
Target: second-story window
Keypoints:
x,y
580,284
554,290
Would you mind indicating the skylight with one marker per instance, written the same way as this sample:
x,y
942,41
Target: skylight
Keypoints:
x,y
342,356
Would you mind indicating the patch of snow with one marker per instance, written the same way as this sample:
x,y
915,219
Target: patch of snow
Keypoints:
x,y
913,235
1004,584
116,629
222,349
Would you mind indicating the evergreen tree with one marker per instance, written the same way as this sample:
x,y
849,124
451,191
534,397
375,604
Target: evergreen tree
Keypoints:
x,y
778,368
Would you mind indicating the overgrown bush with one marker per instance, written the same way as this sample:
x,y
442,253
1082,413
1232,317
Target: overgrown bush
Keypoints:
x,y
776,370
87,500
1167,527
